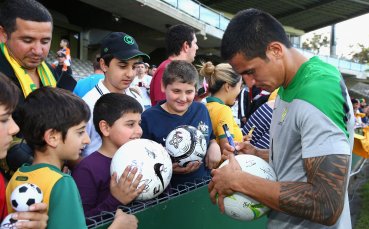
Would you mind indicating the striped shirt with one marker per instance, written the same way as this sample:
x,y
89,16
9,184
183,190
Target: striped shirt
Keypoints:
x,y
261,119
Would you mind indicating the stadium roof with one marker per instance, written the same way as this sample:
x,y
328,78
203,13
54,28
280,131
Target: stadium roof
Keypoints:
x,y
306,15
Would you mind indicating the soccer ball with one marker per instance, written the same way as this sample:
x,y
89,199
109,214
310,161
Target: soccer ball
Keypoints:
x,y
185,144
24,195
240,206
152,161
9,222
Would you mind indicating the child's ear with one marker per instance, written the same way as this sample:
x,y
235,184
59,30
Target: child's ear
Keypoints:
x,y
104,128
52,137
103,66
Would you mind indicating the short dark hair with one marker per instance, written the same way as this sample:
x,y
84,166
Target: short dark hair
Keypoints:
x,y
50,108
9,93
176,36
112,106
107,59
29,10
180,71
250,32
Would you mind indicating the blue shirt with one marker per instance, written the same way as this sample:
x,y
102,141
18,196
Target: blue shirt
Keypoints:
x,y
85,85
157,124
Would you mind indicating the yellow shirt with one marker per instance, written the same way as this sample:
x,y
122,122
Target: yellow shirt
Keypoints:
x,y
222,114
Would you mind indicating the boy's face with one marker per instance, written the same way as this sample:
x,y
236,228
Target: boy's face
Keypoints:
x,y
8,128
179,97
74,142
119,74
140,69
124,129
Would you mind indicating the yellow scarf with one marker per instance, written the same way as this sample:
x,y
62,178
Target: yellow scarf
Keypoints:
x,y
27,84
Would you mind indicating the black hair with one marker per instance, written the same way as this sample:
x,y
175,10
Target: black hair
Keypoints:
x,y
107,59
180,71
176,36
28,10
9,93
112,106
50,108
250,32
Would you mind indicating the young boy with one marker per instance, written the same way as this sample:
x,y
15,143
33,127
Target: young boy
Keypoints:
x,y
179,82
117,119
53,125
119,53
8,128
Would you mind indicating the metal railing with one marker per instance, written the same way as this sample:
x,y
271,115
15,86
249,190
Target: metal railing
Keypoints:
x,y
218,20
200,12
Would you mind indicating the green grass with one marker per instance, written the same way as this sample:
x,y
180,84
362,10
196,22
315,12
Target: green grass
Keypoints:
x,y
363,218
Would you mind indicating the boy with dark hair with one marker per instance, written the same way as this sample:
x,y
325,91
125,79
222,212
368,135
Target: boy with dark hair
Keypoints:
x,y
117,120
119,53
179,82
181,44
8,128
53,124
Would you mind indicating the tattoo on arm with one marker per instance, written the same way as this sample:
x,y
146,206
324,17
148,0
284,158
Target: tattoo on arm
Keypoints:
x,y
321,198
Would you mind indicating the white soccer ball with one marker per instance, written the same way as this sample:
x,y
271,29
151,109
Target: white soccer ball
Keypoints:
x,y
9,222
240,206
151,160
24,195
185,144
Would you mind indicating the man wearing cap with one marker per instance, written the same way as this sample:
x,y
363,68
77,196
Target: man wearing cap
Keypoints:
x,y
181,44
119,53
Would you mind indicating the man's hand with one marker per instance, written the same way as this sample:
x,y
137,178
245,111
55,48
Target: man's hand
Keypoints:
x,y
125,189
124,221
36,217
220,185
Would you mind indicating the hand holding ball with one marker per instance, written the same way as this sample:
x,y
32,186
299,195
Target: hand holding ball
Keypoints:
x,y
240,206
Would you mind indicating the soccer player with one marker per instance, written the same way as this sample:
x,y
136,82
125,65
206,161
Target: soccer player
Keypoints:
x,y
311,134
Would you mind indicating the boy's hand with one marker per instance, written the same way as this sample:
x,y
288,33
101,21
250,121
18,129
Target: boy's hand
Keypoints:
x,y
124,220
125,190
36,217
213,155
190,167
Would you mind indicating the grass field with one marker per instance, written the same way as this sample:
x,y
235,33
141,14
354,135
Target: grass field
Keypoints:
x,y
363,218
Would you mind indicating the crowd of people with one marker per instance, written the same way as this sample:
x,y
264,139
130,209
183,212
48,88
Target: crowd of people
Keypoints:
x,y
73,136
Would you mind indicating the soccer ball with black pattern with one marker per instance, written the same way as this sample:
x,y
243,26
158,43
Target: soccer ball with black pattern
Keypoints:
x,y
185,144
152,161
24,195
240,206
9,222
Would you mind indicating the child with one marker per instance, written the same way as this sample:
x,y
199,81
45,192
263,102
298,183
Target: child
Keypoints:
x,y
179,82
64,45
119,53
8,128
117,119
224,85
53,124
